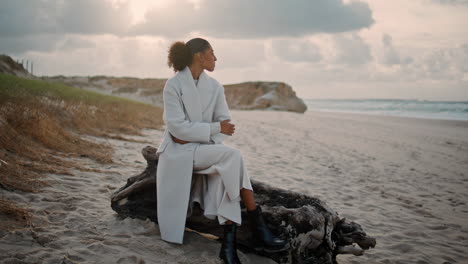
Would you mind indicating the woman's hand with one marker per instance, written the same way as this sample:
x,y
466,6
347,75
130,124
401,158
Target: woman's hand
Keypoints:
x,y
180,141
227,128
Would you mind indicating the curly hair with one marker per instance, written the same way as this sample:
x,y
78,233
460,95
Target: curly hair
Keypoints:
x,y
179,56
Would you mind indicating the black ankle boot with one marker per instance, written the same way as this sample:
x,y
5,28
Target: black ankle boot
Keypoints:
x,y
228,251
261,234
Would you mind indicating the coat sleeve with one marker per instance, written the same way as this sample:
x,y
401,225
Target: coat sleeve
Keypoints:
x,y
221,112
176,120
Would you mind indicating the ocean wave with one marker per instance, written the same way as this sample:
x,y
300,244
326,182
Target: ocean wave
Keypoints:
x,y
451,110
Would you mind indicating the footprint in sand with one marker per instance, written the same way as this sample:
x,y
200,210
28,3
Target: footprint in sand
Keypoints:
x,y
437,227
56,217
401,248
130,260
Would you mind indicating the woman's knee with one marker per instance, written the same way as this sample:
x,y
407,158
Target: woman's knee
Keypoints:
x,y
232,152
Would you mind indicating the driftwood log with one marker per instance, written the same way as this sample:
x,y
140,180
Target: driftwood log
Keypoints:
x,y
315,232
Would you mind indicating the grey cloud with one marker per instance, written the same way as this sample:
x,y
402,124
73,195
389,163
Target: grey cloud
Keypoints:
x,y
20,44
297,50
232,53
464,60
451,2
19,18
40,25
391,55
93,17
442,64
75,42
352,49
34,25
256,19
23,17
445,64
43,43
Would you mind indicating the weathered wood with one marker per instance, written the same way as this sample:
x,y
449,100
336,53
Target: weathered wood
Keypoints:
x,y
316,233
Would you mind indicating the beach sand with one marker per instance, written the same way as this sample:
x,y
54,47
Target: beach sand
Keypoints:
x,y
74,223
403,179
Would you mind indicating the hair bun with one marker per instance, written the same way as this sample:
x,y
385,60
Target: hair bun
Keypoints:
x,y
180,56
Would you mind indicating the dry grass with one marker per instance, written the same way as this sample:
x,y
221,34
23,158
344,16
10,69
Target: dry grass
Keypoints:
x,y
126,89
41,122
12,216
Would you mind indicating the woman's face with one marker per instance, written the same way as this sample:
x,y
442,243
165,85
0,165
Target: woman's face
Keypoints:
x,y
208,59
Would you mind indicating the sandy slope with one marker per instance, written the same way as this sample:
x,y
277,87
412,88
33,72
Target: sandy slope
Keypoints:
x,y
75,224
404,180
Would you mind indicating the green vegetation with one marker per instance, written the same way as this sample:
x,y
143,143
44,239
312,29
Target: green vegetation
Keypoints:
x,y
42,122
16,87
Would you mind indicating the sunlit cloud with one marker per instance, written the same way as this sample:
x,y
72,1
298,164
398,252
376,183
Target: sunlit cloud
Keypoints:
x,y
323,48
255,19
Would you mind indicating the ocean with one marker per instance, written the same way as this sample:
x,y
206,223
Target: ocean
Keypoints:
x,y
393,107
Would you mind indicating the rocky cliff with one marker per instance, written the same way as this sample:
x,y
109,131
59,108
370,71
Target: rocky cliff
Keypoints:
x,y
243,96
264,95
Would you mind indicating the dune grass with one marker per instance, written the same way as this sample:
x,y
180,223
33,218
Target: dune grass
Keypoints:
x,y
42,122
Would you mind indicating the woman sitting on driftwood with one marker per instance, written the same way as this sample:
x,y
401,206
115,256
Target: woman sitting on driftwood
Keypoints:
x,y
197,120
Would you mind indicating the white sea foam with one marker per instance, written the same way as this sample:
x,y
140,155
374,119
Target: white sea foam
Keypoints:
x,y
393,107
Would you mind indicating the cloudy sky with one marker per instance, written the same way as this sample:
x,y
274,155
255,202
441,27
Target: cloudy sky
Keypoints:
x,y
413,49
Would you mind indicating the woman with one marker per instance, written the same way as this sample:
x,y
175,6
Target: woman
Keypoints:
x,y
197,120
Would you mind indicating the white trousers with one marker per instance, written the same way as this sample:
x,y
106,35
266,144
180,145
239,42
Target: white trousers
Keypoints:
x,y
220,173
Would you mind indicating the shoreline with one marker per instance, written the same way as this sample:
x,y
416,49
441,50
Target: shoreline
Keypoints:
x,y
427,109
361,114
395,118
388,115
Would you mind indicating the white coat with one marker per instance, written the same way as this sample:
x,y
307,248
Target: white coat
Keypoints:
x,y
188,112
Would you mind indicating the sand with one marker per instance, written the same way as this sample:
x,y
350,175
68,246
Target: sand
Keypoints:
x,y
74,222
403,179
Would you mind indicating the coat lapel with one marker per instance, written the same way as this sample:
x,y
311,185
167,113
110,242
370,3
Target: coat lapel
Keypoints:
x,y
190,96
